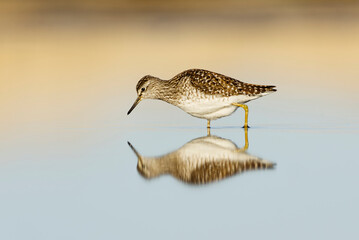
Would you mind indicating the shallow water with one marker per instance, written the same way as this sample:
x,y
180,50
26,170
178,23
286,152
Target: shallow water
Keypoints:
x,y
67,171
84,184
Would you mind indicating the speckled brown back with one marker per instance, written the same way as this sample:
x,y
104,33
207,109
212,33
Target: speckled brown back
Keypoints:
x,y
217,84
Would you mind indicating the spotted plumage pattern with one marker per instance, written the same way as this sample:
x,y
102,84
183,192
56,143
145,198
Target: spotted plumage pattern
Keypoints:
x,y
212,83
215,171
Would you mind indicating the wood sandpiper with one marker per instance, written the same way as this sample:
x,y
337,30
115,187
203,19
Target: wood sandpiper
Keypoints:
x,y
201,93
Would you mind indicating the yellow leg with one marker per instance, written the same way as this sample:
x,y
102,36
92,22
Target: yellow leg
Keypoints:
x,y
245,107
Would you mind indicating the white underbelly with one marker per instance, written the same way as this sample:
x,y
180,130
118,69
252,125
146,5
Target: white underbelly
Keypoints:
x,y
212,108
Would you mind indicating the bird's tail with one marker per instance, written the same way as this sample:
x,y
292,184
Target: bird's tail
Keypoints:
x,y
260,90
270,88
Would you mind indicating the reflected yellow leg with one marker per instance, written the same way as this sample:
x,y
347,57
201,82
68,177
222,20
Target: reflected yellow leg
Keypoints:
x,y
245,107
208,127
246,144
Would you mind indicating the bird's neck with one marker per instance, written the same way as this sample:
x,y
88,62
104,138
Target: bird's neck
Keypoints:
x,y
165,91
161,165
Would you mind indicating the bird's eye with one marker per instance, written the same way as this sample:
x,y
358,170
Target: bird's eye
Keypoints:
x,y
143,89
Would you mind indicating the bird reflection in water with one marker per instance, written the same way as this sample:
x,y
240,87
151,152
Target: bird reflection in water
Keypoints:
x,y
202,160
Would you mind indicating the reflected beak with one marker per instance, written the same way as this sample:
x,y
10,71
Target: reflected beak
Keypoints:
x,y
139,98
137,154
134,150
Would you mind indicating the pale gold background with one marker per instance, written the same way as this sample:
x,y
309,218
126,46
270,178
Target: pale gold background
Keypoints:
x,y
67,62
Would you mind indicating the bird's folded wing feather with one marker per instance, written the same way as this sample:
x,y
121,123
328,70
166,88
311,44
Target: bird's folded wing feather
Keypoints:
x,y
215,83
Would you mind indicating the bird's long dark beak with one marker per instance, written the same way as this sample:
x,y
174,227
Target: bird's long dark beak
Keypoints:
x,y
139,98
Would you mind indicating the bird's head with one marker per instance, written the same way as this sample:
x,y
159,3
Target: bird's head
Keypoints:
x,y
148,167
145,88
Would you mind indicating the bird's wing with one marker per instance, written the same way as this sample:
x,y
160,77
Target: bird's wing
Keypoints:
x,y
214,83
217,84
